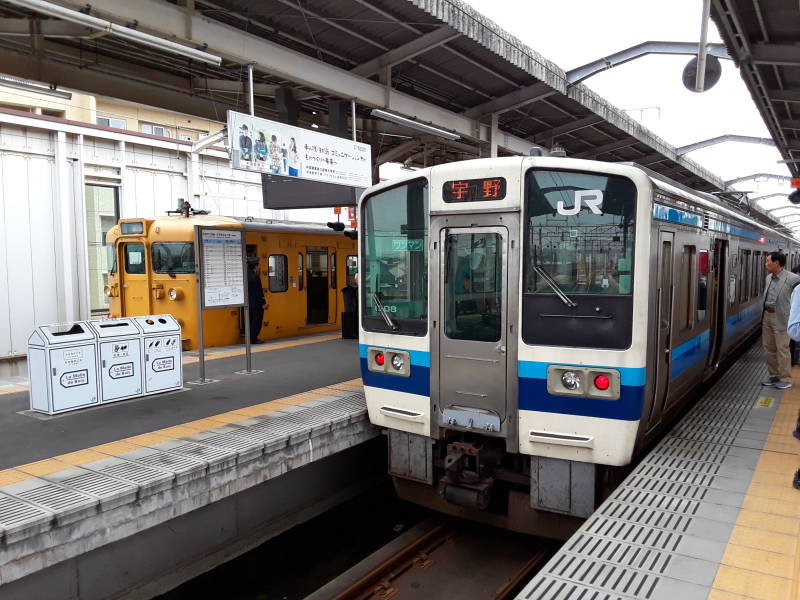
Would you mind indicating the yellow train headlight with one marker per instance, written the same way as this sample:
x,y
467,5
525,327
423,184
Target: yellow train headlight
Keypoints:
x,y
107,291
175,293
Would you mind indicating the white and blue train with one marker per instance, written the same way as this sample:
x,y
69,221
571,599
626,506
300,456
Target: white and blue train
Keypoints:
x,y
530,324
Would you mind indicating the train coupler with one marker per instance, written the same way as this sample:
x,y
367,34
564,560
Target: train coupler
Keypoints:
x,y
464,482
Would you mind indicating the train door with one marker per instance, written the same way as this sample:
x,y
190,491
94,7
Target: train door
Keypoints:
x,y
718,277
134,279
316,285
473,308
664,295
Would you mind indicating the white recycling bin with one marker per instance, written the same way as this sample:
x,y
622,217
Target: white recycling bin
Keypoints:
x,y
161,353
119,342
62,367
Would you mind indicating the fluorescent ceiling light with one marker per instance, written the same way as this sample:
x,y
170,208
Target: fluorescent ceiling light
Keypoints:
x,y
32,86
127,33
387,116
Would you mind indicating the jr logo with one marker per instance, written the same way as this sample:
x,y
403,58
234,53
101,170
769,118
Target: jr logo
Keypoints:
x,y
592,198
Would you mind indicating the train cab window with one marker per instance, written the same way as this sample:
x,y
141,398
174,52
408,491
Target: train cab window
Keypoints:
x,y
300,271
333,271
352,270
394,243
278,273
173,257
134,259
580,233
687,283
578,261
702,285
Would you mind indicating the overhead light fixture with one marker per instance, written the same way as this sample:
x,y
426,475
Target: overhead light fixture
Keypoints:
x,y
33,86
127,33
387,116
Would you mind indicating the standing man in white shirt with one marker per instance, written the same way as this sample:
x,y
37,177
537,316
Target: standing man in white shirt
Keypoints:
x,y
775,320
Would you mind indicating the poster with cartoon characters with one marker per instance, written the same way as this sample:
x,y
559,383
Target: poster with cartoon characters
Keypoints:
x,y
262,145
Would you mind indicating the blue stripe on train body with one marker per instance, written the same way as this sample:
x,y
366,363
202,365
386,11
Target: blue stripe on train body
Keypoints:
x,y
533,393
685,217
690,353
742,320
532,375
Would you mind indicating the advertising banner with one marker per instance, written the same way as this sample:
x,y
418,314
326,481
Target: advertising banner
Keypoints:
x,y
276,148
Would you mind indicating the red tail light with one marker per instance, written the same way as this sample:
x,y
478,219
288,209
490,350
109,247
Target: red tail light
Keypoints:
x,y
601,382
379,359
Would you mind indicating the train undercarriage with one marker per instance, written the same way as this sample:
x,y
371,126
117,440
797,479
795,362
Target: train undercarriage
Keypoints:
x,y
473,477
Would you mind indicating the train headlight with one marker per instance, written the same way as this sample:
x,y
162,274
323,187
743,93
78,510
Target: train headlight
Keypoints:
x,y
107,291
570,380
175,294
398,362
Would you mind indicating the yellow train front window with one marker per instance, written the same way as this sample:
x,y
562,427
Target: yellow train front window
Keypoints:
x,y
173,257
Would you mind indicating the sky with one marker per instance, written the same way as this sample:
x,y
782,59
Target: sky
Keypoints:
x,y
575,32
572,33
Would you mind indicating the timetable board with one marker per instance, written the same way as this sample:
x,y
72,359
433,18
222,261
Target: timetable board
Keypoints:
x,y
221,267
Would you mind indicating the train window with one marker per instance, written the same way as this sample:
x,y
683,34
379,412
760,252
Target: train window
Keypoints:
x,y
300,271
702,285
744,278
278,273
134,259
111,258
394,242
580,233
754,280
352,270
473,296
173,257
333,271
687,293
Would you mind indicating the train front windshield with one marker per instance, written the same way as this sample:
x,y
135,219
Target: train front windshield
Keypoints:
x,y
580,231
394,281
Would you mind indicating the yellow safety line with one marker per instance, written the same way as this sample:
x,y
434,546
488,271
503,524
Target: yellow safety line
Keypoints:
x,y
762,559
211,355
81,457
13,389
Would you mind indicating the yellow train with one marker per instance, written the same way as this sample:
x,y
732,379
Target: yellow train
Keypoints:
x,y
304,267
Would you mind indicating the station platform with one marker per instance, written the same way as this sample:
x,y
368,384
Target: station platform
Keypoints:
x,y
92,480
710,513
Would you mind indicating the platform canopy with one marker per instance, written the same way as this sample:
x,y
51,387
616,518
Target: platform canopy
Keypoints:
x,y
436,62
763,38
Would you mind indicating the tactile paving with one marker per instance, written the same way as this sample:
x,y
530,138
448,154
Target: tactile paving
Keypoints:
x,y
662,532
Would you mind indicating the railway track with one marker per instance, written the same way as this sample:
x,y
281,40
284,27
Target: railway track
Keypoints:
x,y
444,558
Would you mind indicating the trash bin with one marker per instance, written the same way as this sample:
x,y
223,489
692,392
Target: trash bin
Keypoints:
x,y
62,367
119,344
161,353
350,314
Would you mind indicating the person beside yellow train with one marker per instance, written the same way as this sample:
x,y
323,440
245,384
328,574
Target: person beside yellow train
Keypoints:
x,y
255,298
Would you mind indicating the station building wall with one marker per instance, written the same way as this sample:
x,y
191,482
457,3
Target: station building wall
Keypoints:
x,y
62,185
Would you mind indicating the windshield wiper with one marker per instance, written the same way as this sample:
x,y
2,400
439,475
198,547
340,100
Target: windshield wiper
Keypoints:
x,y
382,309
552,283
